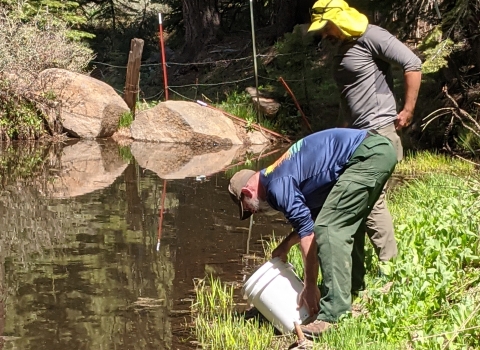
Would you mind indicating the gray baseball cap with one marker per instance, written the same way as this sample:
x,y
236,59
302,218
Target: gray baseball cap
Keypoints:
x,y
237,182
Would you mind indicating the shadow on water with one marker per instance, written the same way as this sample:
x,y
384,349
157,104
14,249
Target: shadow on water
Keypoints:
x,y
79,264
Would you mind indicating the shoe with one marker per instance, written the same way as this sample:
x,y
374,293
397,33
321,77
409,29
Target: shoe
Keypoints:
x,y
315,329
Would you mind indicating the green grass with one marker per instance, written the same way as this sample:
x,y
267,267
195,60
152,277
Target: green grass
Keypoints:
x,y
434,299
240,105
437,229
427,162
353,334
218,326
126,120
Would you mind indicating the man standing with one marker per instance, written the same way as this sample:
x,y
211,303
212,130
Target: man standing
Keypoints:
x,y
362,71
339,174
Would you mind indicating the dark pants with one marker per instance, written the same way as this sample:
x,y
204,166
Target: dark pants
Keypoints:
x,y
340,225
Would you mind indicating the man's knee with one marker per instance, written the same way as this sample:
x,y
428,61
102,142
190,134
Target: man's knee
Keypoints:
x,y
379,228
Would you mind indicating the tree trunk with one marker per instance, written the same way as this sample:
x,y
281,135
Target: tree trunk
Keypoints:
x,y
202,22
285,15
474,31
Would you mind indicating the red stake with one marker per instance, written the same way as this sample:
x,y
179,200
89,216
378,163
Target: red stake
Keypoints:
x,y
162,49
296,103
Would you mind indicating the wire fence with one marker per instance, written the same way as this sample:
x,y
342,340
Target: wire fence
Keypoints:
x,y
213,63
205,62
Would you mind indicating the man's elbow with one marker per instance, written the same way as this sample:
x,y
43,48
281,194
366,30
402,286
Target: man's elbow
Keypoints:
x,y
302,235
413,65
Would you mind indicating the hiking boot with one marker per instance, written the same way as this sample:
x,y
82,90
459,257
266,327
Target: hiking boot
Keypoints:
x,y
315,329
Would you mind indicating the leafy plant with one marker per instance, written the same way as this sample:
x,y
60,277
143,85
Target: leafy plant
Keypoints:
x,y
433,299
31,45
126,120
436,51
19,118
437,225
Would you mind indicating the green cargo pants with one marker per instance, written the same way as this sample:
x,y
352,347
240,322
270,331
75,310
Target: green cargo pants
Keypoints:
x,y
340,225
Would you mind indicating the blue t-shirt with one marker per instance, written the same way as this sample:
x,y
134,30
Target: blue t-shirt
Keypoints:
x,y
303,176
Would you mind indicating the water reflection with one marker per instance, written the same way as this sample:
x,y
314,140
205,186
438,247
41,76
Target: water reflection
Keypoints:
x,y
178,161
78,253
86,166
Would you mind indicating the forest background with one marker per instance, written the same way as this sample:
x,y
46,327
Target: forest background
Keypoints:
x,y
210,58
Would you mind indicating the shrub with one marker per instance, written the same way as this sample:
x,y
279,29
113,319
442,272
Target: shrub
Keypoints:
x,y
27,49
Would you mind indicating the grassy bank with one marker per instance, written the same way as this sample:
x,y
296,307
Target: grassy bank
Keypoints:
x,y
433,300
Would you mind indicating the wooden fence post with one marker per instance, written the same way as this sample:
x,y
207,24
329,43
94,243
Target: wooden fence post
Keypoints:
x,y
133,74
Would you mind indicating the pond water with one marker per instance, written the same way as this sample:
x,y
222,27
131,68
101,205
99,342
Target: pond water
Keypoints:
x,y
101,244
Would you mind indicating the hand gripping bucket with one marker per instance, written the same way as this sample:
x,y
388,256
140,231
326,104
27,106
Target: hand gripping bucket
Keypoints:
x,y
274,290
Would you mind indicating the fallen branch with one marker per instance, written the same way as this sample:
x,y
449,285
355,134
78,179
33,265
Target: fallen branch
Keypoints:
x,y
466,160
457,332
244,122
444,333
465,119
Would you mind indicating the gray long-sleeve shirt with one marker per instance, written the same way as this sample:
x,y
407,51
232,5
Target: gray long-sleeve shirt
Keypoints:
x,y
362,71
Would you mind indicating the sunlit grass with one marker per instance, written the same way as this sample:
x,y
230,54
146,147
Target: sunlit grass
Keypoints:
x,y
353,334
219,326
241,106
126,119
434,298
437,225
426,162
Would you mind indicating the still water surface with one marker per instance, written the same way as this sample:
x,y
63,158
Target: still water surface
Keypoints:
x,y
100,243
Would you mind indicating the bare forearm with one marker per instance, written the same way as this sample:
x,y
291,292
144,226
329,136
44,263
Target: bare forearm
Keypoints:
x,y
308,246
284,247
412,86
292,239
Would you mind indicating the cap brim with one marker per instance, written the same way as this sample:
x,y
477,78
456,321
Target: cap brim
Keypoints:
x,y
317,25
244,214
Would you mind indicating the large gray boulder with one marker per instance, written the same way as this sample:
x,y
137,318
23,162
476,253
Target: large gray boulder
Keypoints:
x,y
89,108
184,122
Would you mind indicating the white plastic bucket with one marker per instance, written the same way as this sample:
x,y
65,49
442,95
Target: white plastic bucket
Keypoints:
x,y
274,289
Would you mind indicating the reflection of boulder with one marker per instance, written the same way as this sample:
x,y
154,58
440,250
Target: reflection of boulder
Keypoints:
x,y
178,161
86,166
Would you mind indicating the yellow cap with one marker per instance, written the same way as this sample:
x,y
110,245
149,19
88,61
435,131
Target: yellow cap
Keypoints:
x,y
351,22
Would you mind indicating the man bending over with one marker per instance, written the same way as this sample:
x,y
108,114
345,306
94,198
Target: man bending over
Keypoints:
x,y
325,185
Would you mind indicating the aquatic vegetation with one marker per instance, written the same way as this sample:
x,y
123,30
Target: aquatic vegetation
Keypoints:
x,y
218,326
